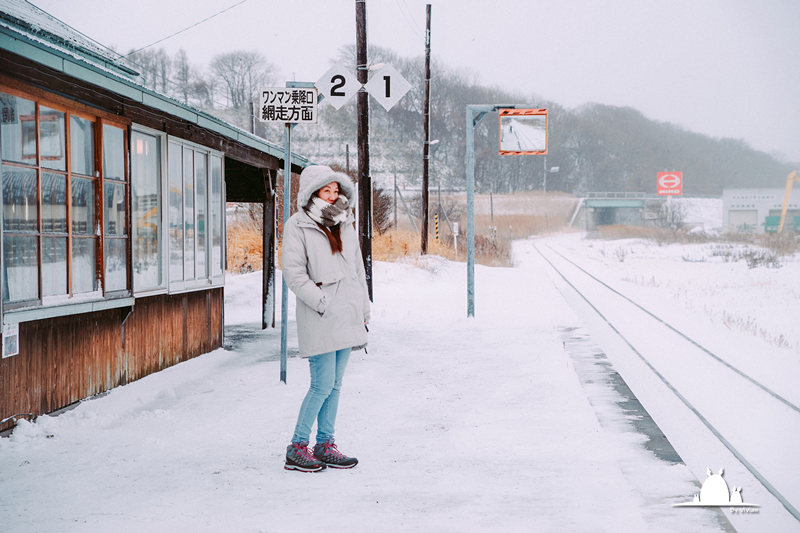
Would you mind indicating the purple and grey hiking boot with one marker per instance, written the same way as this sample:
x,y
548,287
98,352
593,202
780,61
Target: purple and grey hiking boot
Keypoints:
x,y
299,457
328,453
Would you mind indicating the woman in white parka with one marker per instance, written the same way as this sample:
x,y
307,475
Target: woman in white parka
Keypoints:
x,y
323,266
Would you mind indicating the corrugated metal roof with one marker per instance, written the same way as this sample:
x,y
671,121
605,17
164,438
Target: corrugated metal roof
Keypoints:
x,y
34,34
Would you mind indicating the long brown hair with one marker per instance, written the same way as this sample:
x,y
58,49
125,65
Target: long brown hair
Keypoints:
x,y
334,235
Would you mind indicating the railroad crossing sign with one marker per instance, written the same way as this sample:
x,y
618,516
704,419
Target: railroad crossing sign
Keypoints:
x,y
670,183
386,86
288,105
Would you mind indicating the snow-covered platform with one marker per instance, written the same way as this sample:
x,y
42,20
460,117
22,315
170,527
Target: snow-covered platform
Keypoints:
x,y
489,423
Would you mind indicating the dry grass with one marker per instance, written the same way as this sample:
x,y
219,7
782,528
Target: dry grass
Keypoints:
x,y
398,245
516,216
244,246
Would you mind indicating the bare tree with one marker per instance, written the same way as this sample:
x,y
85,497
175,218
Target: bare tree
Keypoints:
x,y
241,73
183,75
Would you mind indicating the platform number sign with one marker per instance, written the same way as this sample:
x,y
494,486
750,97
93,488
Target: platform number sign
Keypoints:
x,y
386,85
338,85
670,183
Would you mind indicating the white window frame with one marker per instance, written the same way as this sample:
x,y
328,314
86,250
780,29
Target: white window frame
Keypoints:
x,y
163,193
210,281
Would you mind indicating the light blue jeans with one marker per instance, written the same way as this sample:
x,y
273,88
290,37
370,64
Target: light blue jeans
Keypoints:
x,y
322,399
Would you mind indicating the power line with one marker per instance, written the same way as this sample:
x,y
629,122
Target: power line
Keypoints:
x,y
185,29
415,30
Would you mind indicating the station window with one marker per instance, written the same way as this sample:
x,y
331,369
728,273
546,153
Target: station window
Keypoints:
x,y
177,205
65,198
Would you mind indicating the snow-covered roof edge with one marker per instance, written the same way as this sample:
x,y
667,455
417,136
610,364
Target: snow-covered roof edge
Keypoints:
x,y
28,31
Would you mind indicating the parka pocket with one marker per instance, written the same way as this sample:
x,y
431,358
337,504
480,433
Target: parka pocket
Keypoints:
x,y
329,291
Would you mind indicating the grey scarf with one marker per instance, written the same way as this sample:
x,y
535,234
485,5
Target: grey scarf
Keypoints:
x,y
328,215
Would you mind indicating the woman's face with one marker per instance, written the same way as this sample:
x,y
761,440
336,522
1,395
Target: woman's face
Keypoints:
x,y
329,193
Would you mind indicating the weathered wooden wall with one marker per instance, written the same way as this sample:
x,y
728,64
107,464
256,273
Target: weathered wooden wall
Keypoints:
x,y
66,359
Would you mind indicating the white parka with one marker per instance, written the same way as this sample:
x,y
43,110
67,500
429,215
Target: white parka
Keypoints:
x,y
331,289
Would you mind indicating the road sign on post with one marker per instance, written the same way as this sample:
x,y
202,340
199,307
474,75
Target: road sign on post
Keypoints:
x,y
670,183
297,105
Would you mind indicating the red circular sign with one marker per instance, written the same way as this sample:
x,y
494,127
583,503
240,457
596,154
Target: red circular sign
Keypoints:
x,y
669,180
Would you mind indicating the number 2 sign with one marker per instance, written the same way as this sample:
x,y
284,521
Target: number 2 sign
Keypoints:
x,y
338,85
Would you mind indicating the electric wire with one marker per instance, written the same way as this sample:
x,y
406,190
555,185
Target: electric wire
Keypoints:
x,y
185,29
767,485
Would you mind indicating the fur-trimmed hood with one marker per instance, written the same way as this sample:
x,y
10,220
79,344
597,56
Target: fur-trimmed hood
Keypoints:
x,y
315,177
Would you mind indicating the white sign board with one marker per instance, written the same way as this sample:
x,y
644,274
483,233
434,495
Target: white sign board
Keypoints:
x,y
338,85
10,340
287,104
387,86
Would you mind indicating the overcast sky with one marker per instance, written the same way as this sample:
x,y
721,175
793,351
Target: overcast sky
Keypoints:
x,y
726,68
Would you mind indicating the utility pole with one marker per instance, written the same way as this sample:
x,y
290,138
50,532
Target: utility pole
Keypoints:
x,y
364,179
426,131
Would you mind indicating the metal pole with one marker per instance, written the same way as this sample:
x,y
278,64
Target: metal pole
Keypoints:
x,y
395,199
427,132
287,183
544,182
364,179
470,212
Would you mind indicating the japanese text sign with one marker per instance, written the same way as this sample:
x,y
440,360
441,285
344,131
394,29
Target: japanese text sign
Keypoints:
x,y
287,104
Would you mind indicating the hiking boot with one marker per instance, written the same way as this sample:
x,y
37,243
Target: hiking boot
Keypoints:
x,y
329,454
299,457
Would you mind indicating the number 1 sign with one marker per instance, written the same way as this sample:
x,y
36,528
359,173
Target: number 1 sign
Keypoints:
x,y
387,86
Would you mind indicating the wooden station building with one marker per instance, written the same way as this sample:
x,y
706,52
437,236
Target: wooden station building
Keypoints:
x,y
113,226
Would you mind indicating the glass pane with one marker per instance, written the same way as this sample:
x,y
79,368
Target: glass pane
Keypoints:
x,y
216,216
188,213
19,129
146,210
81,142
21,268
202,206
84,269
82,206
21,208
53,143
114,210
116,265
54,203
175,212
54,266
113,153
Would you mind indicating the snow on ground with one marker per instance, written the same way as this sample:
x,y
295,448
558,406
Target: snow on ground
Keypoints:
x,y
460,424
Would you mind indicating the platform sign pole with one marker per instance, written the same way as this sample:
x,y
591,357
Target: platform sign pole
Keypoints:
x,y
287,199
292,105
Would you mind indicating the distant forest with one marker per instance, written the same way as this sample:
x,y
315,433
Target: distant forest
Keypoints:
x,y
595,147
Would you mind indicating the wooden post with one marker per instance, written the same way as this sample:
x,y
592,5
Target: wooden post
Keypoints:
x,y
426,132
364,179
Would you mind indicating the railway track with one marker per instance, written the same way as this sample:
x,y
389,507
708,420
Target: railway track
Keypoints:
x,y
730,403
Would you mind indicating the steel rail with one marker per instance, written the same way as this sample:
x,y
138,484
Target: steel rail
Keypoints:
x,y
767,485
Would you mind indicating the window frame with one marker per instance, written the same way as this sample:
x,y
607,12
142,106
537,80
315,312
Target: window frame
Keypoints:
x,y
210,280
49,304
163,192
